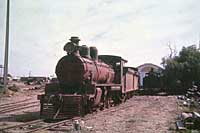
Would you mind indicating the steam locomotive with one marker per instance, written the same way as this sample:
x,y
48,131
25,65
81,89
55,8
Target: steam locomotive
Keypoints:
x,y
86,82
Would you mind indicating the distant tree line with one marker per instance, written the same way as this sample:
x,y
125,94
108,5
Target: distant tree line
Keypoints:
x,y
183,70
180,71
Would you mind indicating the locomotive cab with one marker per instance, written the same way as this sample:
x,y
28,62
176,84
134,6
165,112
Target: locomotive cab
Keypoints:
x,y
118,63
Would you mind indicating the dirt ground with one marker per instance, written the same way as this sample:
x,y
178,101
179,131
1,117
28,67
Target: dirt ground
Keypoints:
x,y
148,114
25,93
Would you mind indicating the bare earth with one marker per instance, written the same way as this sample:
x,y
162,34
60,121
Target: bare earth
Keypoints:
x,y
17,116
149,114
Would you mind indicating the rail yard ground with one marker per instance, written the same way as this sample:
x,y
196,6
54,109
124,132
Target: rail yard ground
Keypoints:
x,y
138,114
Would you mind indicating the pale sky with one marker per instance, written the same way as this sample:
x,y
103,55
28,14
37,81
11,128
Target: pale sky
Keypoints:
x,y
137,30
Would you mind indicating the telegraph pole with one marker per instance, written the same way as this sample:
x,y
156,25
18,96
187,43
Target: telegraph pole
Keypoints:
x,y
5,74
1,67
199,45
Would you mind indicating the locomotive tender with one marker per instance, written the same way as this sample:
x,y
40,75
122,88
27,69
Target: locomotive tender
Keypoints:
x,y
86,81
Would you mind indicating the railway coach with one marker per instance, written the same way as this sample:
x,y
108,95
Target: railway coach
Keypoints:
x,y
86,82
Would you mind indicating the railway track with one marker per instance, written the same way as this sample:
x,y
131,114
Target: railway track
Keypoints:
x,y
8,104
40,125
19,125
15,106
36,126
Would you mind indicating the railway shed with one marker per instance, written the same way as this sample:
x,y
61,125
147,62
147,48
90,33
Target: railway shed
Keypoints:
x,y
144,69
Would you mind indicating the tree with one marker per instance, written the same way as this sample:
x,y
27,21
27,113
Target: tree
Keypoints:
x,y
183,70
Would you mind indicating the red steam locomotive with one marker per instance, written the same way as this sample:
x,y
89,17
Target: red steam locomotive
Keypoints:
x,y
87,81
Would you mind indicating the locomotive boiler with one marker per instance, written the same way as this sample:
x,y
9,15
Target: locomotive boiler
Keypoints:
x,y
86,82
75,73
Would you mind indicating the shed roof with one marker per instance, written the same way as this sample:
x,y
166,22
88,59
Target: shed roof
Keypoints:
x,y
148,65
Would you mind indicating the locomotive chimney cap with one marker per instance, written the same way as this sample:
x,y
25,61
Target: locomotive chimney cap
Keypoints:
x,y
74,38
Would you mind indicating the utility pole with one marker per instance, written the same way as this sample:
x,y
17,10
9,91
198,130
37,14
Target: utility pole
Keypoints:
x,y
29,74
1,67
5,74
199,45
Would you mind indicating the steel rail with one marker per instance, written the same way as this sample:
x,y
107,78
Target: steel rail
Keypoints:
x,y
48,126
17,108
15,102
17,105
20,125
36,122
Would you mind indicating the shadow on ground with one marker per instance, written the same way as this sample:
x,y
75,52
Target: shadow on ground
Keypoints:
x,y
25,117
